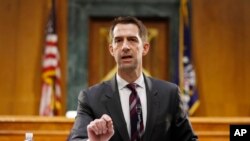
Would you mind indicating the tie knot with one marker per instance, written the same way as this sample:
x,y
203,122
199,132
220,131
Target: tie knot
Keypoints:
x,y
132,86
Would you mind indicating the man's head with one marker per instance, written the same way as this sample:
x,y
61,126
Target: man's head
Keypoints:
x,y
128,44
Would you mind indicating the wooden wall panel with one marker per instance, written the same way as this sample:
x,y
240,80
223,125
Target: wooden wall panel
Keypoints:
x,y
7,54
20,56
28,57
221,47
22,40
62,28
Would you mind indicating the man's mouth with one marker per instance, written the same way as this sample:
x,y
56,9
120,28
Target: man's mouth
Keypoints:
x,y
127,57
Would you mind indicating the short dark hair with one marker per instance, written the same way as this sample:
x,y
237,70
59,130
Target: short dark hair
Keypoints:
x,y
143,33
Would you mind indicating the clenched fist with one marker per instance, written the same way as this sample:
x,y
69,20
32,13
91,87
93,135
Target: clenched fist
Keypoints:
x,y
100,129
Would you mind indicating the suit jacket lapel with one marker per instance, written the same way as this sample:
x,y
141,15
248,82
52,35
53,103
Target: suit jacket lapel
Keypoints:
x,y
113,105
152,106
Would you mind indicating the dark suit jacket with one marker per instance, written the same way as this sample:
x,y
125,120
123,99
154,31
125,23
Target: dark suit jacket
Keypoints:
x,y
166,120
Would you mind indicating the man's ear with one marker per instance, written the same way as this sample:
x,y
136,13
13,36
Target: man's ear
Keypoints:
x,y
146,47
111,49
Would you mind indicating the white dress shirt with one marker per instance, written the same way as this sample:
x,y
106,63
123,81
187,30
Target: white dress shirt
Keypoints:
x,y
125,92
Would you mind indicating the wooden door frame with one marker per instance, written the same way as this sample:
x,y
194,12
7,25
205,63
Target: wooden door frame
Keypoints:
x,y
101,65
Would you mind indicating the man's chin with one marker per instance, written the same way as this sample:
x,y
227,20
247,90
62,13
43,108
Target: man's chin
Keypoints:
x,y
127,67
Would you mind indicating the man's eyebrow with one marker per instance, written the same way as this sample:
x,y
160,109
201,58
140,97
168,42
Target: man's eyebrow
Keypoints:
x,y
132,37
128,37
115,37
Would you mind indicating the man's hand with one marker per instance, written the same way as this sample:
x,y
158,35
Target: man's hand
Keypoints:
x,y
100,129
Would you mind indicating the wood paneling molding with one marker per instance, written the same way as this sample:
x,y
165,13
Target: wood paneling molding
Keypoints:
x,y
58,128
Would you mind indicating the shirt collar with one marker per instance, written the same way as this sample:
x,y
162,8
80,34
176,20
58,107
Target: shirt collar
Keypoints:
x,y
122,83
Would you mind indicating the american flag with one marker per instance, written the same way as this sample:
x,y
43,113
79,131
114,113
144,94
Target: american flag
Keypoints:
x,y
50,104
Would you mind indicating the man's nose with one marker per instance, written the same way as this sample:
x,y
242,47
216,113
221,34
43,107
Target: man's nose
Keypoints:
x,y
125,45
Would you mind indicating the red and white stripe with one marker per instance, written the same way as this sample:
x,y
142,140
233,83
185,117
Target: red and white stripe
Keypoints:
x,y
51,91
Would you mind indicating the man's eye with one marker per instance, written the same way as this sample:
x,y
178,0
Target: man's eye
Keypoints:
x,y
133,40
118,40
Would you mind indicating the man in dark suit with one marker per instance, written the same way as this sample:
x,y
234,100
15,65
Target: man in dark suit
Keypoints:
x,y
131,106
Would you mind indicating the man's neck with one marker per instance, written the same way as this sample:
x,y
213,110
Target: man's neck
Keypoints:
x,y
130,76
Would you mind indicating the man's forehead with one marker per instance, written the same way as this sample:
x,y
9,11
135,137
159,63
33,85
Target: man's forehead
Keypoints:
x,y
125,27
126,30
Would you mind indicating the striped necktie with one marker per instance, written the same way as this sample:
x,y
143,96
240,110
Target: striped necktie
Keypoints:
x,y
136,120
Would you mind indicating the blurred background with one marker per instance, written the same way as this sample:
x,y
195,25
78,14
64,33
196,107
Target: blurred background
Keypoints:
x,y
218,38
